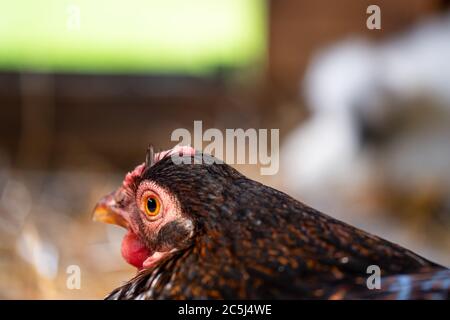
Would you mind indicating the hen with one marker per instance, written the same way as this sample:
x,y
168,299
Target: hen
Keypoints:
x,y
203,230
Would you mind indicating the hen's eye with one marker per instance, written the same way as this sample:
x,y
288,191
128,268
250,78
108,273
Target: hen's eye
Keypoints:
x,y
152,206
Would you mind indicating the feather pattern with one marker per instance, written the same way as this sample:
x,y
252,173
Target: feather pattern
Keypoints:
x,y
254,242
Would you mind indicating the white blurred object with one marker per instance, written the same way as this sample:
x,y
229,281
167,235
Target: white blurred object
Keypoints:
x,y
41,254
356,81
15,205
325,146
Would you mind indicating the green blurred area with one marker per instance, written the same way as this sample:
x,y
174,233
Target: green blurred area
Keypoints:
x,y
170,36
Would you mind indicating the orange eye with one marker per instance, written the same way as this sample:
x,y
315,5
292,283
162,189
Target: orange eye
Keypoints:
x,y
152,206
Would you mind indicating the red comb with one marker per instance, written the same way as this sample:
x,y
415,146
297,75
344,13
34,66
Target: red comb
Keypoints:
x,y
180,150
130,177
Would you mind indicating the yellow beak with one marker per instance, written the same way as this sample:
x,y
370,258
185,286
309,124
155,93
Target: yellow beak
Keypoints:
x,y
105,211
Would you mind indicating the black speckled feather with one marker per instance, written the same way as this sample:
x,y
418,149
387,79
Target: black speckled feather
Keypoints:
x,y
254,242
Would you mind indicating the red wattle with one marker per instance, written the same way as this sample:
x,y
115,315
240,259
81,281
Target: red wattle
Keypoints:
x,y
134,251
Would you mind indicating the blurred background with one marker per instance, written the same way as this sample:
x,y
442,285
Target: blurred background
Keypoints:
x,y
85,86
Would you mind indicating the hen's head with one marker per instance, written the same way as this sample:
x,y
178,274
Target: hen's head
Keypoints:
x,y
163,204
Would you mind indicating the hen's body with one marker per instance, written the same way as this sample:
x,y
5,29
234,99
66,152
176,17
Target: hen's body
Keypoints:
x,y
254,242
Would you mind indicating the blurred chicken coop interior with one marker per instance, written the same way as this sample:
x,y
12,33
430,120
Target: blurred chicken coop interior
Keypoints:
x,y
85,86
